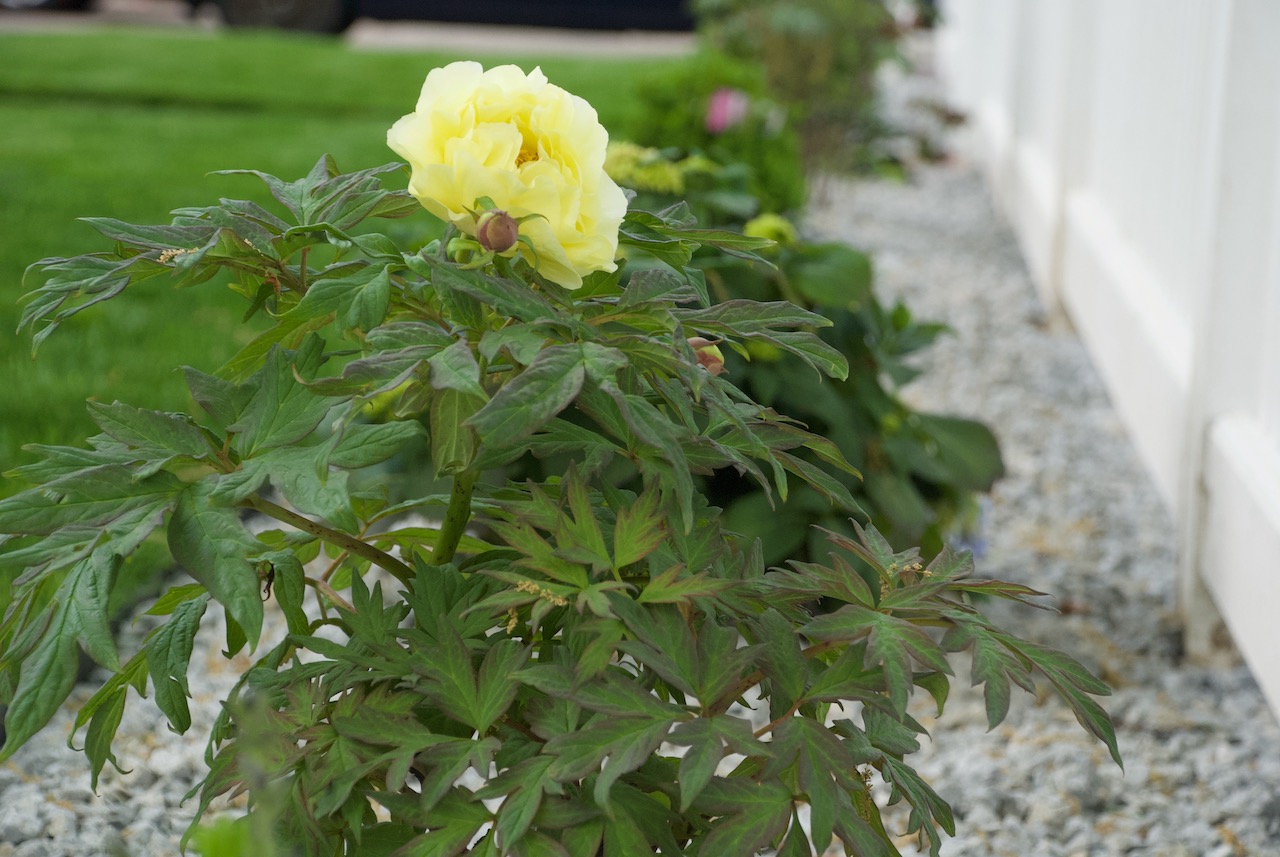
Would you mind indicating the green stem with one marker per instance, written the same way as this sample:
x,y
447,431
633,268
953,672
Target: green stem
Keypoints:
x,y
455,517
379,558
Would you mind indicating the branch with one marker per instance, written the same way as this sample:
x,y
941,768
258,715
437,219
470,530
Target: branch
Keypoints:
x,y
323,587
383,560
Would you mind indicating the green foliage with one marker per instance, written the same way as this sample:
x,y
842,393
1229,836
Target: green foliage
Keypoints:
x,y
819,57
918,473
756,159
579,647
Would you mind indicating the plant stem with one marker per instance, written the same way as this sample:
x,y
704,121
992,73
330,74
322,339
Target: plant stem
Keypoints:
x,y
379,558
773,724
323,587
455,517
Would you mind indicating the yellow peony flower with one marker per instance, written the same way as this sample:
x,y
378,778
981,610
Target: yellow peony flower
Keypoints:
x,y
527,145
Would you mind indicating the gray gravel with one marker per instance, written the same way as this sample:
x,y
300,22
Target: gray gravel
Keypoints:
x,y
1076,516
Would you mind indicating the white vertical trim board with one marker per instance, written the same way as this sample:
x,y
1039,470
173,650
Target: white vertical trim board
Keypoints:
x,y
1242,540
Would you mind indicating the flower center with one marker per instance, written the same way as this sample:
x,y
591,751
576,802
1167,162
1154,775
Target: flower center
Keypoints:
x,y
526,155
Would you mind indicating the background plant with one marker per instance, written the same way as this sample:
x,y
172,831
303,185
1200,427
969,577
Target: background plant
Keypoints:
x,y
581,651
819,59
757,155
920,474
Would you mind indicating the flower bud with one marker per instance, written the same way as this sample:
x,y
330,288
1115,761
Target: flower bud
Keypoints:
x,y
709,356
497,231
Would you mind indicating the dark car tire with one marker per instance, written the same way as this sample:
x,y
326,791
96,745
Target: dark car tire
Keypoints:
x,y
313,16
42,5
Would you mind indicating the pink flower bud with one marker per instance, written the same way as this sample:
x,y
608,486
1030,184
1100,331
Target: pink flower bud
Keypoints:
x,y
497,231
726,108
709,356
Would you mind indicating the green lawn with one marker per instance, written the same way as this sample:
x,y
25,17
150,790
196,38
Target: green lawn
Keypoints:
x,y
126,124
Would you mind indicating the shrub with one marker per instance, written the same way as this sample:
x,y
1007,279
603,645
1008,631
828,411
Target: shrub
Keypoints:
x,y
819,58
759,150
586,664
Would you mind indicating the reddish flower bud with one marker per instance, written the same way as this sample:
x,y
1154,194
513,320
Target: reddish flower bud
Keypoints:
x,y
709,356
497,231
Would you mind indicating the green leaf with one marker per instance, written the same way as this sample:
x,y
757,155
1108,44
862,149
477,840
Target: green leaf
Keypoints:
x,y
304,477
707,740
289,588
531,399
95,496
495,685
523,788
359,299
213,546
282,411
521,341
947,450
47,676
825,767
749,815
1073,682
784,663
102,730
176,595
640,529
222,400
156,237
455,368
926,805
81,282
151,430
795,844
363,445
290,329
509,297
537,844
378,373
168,656
85,594
937,685
677,586
453,440
455,821
475,700
891,641
627,743
832,275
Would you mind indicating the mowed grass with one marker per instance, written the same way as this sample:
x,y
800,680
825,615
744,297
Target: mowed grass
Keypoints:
x,y
127,124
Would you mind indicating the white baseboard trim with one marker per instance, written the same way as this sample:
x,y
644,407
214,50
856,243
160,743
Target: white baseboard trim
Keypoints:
x,y
1138,341
991,144
1036,213
1241,540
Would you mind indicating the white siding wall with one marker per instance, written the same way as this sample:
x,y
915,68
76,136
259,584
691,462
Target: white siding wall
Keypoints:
x,y
1135,147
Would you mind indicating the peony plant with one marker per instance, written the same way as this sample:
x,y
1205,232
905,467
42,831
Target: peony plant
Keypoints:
x,y
586,664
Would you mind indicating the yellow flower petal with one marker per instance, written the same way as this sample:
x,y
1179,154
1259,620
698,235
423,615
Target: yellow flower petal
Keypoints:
x,y
526,144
